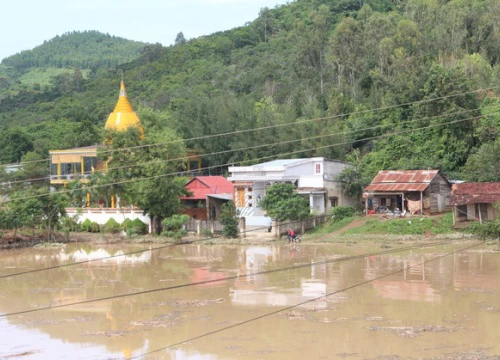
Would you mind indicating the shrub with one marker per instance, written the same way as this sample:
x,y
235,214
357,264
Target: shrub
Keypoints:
x,y
487,230
175,222
125,224
95,227
137,227
173,226
342,212
206,233
70,223
86,226
112,226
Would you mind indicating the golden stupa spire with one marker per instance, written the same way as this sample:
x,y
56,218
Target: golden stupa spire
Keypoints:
x,y
123,116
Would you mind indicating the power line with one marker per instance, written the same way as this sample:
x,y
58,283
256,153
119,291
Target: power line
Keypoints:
x,y
132,253
261,158
116,256
297,305
221,279
300,121
276,143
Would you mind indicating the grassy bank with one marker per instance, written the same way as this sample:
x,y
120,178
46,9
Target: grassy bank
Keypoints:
x,y
434,225
377,226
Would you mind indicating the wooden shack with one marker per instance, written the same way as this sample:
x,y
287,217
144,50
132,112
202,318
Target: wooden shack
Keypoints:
x,y
414,191
475,201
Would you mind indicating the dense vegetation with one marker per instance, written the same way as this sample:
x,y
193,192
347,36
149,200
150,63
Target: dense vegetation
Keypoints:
x,y
83,50
386,84
321,66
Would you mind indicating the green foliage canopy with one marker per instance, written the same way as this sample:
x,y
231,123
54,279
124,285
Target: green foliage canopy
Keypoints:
x,y
283,203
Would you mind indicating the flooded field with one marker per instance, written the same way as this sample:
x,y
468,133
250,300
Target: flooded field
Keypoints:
x,y
439,301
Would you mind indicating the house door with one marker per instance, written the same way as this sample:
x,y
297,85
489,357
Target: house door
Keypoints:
x,y
240,197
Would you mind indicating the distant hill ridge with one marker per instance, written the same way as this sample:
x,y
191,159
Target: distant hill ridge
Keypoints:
x,y
81,49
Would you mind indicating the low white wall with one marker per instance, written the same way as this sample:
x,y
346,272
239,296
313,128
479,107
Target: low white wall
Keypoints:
x,y
263,221
102,215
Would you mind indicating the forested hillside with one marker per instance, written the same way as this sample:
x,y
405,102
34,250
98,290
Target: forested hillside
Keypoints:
x,y
83,50
385,84
62,63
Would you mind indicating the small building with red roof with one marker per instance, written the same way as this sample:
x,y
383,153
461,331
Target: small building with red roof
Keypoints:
x,y
208,193
411,190
475,201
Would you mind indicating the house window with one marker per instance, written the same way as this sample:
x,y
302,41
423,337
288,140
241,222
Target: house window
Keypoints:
x,y
317,168
382,202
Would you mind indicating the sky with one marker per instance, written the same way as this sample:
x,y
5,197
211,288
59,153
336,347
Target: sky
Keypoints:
x,y
26,24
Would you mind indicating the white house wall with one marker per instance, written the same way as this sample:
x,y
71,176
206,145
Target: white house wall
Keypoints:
x,y
332,169
303,172
259,190
317,202
314,181
101,216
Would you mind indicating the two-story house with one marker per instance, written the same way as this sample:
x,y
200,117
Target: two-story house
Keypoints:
x,y
315,178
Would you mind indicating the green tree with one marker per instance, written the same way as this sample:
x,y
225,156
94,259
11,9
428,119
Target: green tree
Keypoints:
x,y
283,203
312,43
53,208
346,53
352,181
180,39
229,220
14,144
484,164
141,170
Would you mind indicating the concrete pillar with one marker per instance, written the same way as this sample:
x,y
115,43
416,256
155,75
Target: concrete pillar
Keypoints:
x,y
198,227
243,227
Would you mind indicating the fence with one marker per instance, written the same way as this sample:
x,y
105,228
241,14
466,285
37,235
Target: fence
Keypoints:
x,y
278,227
199,226
300,226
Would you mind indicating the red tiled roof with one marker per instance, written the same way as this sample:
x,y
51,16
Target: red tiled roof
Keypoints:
x,y
404,180
201,186
475,193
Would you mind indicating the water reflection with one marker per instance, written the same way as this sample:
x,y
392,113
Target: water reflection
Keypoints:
x,y
363,320
248,291
102,255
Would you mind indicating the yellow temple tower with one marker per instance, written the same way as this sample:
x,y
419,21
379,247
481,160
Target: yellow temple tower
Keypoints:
x,y
79,163
123,116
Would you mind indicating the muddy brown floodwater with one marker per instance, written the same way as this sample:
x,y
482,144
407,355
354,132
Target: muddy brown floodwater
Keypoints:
x,y
434,302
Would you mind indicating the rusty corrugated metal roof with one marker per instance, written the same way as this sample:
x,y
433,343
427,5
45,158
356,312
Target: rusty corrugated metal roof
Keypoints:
x,y
396,187
475,193
402,180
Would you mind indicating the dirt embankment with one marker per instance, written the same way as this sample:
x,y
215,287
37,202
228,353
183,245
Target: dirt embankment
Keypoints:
x,y
14,241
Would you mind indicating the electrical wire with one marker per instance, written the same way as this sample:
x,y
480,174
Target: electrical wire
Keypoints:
x,y
299,266
300,121
32,271
297,305
139,251
66,191
274,143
